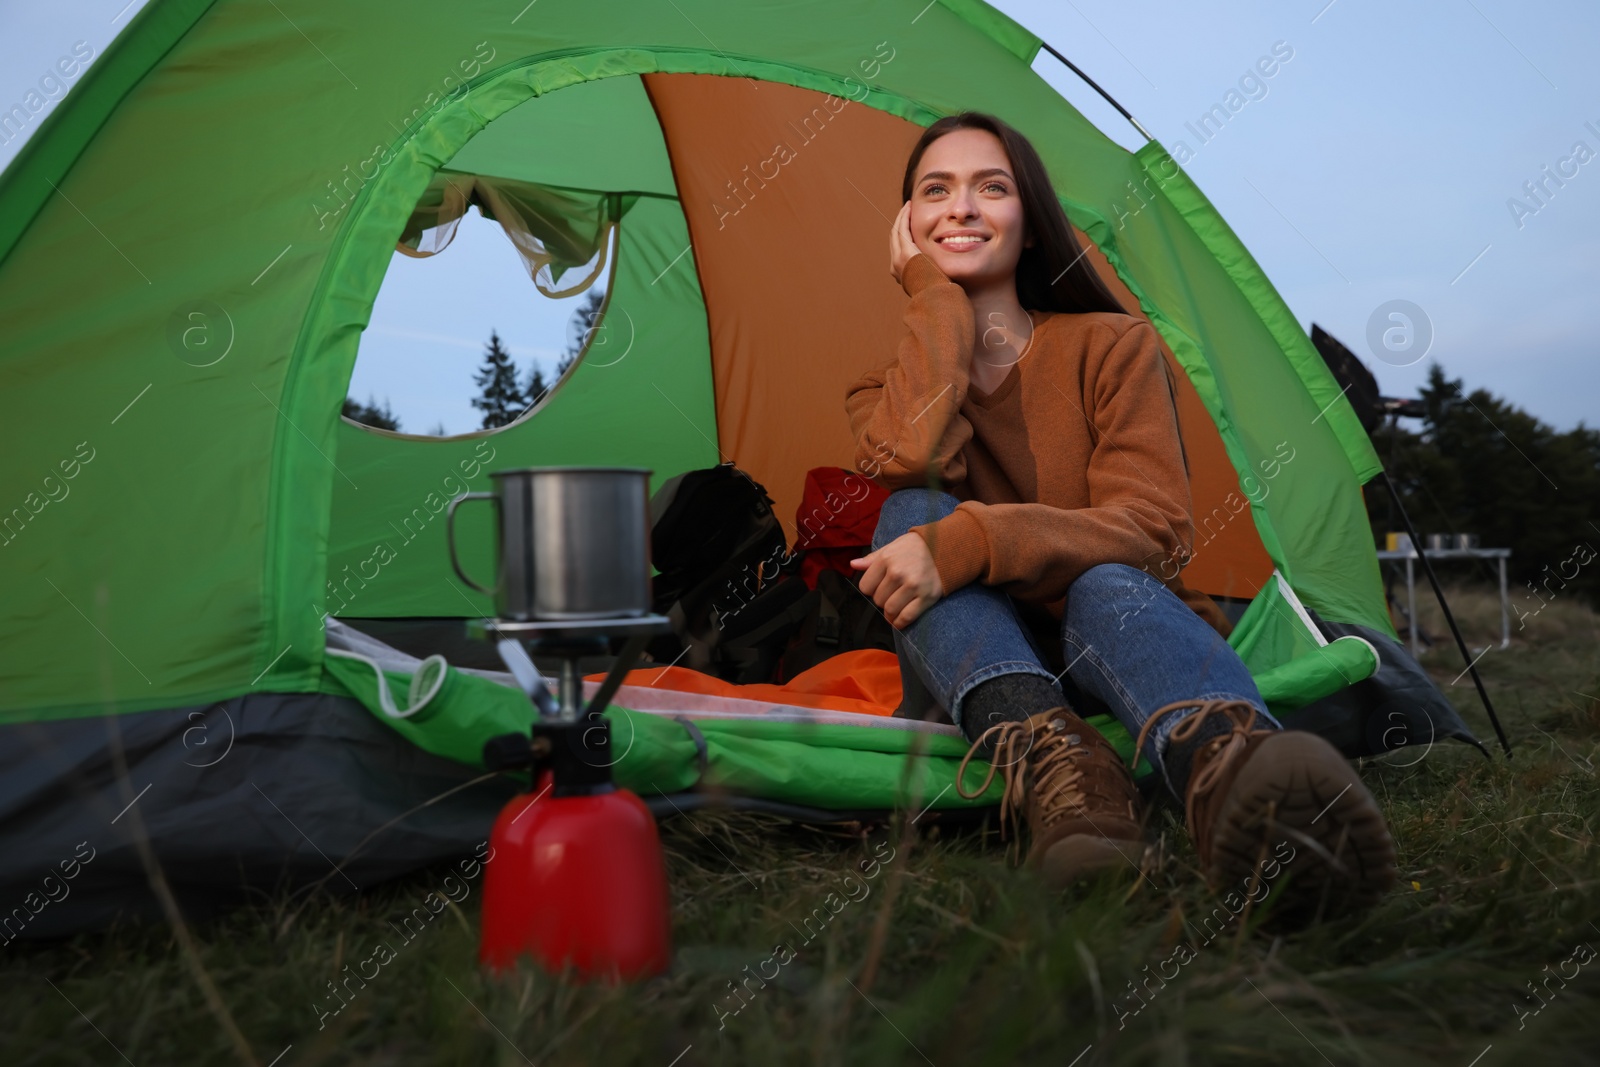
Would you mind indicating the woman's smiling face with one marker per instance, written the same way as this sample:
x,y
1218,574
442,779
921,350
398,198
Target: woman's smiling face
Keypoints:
x,y
966,213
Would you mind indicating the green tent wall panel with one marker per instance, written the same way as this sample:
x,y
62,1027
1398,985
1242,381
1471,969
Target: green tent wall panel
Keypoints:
x,y
192,165
602,135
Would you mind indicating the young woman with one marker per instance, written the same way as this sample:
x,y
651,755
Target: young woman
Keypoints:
x,y
1038,484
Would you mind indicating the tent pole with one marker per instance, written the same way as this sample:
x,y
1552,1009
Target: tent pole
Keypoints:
x,y
1433,579
1108,97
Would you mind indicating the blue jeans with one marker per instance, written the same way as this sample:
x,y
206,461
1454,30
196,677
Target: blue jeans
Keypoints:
x,y
1129,645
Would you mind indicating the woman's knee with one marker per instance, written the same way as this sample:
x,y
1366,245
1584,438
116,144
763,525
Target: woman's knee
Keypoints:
x,y
1108,578
905,508
1109,593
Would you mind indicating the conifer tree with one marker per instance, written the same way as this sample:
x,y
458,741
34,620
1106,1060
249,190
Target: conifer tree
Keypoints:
x,y
370,413
585,321
536,388
1482,465
499,397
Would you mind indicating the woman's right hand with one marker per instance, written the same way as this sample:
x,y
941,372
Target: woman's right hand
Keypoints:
x,y
901,245
901,579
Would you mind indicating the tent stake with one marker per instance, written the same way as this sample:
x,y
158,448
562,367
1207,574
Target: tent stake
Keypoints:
x,y
1433,580
1093,85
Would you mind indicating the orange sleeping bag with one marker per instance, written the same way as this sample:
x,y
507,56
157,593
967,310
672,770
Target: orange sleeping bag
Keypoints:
x,y
866,681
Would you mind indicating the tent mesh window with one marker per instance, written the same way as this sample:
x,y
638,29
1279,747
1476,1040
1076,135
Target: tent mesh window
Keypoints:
x,y
554,230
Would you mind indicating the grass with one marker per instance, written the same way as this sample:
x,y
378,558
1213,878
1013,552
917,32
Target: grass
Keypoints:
x,y
950,956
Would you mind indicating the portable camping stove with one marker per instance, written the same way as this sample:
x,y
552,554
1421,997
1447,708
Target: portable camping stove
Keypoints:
x,y
575,875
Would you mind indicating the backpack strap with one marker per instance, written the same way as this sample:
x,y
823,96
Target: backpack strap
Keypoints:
x,y
697,649
830,624
746,647
837,608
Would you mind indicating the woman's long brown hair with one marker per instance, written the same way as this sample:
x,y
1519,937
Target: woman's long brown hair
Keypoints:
x,y
1053,274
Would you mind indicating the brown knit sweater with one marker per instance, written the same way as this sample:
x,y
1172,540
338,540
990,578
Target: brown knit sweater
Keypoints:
x,y
1073,460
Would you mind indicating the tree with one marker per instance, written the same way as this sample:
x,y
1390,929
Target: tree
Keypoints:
x,y
500,400
370,413
584,322
1483,466
536,388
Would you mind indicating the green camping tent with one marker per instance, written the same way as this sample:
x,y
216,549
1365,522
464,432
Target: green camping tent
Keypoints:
x,y
190,248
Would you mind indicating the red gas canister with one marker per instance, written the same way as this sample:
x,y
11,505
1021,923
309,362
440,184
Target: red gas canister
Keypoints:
x,y
575,873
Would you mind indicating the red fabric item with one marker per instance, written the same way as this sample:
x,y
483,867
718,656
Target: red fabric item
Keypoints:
x,y
835,521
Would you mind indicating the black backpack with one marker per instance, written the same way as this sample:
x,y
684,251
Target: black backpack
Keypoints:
x,y
739,609
706,521
718,548
840,618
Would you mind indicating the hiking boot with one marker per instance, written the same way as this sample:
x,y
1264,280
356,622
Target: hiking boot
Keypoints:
x,y
1081,802
1281,807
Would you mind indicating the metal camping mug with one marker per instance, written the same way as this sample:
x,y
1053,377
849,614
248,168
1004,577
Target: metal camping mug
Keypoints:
x,y
572,542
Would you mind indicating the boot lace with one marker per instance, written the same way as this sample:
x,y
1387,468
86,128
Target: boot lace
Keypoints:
x,y
1053,751
1209,764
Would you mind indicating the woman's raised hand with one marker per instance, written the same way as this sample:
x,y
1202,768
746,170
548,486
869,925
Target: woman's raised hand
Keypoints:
x,y
901,245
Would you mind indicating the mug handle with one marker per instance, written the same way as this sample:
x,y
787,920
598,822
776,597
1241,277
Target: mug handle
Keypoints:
x,y
450,536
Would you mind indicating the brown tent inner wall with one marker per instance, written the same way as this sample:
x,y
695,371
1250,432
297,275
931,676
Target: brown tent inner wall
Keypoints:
x,y
1229,559
789,195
